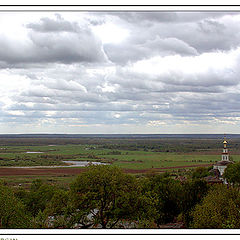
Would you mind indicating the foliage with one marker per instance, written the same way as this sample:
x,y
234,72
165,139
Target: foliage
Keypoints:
x,y
232,173
169,198
106,195
200,172
58,204
192,192
219,209
38,197
41,220
12,212
164,195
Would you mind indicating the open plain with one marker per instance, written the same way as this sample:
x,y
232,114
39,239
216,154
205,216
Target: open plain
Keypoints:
x,y
24,158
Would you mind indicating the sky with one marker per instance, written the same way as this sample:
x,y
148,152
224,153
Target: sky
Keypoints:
x,y
120,72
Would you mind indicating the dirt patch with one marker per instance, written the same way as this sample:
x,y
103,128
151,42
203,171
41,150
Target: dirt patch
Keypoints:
x,y
75,171
39,171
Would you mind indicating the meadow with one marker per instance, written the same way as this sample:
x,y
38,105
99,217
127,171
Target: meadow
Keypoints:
x,y
130,154
133,159
138,158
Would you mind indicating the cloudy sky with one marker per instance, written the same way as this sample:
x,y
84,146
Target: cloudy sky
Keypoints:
x,y
120,72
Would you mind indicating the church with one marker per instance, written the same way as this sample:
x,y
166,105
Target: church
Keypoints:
x,y
222,165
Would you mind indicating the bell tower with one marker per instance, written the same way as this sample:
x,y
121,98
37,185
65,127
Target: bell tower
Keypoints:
x,y
225,155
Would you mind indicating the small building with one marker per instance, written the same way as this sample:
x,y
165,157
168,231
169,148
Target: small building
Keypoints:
x,y
213,179
221,166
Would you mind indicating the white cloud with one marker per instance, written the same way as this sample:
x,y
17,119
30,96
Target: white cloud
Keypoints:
x,y
143,73
110,33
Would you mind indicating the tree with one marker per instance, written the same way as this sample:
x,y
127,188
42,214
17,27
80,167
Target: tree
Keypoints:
x,y
59,209
58,203
39,196
193,192
104,195
219,209
12,211
232,173
164,193
200,172
170,198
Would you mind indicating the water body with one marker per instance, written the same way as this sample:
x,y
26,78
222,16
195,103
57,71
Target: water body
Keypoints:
x,y
34,152
82,163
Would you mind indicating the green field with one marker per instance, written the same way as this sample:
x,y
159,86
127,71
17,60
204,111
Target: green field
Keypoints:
x,y
133,159
134,154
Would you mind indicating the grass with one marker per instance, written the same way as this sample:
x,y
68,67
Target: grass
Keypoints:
x,y
127,159
157,160
26,181
53,155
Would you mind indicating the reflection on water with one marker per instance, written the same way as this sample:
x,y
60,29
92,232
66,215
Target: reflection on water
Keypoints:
x,y
34,152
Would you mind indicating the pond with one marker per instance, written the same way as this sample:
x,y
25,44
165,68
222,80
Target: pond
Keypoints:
x,y
34,152
82,163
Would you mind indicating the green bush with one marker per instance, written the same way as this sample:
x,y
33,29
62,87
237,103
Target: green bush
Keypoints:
x,y
219,209
12,211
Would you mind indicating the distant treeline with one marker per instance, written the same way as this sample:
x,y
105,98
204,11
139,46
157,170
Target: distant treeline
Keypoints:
x,y
130,144
129,136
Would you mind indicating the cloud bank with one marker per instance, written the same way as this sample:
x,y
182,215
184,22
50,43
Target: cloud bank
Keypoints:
x,y
171,73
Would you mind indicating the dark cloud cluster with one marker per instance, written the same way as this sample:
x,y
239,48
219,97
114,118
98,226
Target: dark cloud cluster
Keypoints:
x,y
52,41
54,25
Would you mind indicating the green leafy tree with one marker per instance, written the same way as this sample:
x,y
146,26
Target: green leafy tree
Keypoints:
x,y
38,197
192,193
59,203
59,210
104,195
36,184
232,173
164,194
219,209
41,220
12,211
169,198
200,172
